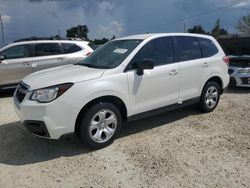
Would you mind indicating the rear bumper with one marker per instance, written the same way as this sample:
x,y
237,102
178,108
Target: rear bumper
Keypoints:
x,y
224,89
225,82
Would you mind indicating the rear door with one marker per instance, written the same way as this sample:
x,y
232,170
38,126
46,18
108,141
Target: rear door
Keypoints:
x,y
16,65
47,55
194,69
72,53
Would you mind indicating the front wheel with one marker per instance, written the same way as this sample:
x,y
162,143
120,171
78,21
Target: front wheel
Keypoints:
x,y
100,125
210,97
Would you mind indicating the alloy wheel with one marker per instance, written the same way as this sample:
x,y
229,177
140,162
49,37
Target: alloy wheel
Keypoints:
x,y
211,97
102,126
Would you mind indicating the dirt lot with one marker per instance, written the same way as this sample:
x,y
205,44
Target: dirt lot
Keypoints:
x,y
182,148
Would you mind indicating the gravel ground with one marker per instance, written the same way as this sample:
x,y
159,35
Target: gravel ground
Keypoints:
x,y
182,148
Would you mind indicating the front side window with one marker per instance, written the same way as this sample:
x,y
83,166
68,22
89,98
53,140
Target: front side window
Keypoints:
x,y
159,50
20,51
111,54
70,48
208,47
187,48
45,49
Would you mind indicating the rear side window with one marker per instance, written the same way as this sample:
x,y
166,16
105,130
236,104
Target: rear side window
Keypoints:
x,y
187,48
208,47
159,50
70,48
44,49
20,51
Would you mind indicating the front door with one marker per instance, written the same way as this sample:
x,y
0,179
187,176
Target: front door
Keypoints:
x,y
157,87
16,65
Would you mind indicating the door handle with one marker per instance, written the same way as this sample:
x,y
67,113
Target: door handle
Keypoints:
x,y
60,58
173,72
26,63
205,65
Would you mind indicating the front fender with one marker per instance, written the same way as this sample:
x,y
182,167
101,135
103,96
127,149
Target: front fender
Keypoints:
x,y
84,92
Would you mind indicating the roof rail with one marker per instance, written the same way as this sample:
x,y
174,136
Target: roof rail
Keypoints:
x,y
47,38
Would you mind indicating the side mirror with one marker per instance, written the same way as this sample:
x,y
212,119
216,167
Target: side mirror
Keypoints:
x,y
2,58
145,64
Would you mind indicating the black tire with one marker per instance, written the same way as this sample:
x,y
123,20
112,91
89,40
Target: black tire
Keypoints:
x,y
205,104
85,129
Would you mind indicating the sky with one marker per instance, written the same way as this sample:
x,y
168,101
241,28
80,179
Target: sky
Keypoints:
x,y
105,18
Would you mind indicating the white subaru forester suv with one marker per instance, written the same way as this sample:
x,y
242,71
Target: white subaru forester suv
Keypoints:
x,y
126,79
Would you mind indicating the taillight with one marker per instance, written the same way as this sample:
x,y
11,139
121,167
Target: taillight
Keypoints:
x,y
226,60
89,53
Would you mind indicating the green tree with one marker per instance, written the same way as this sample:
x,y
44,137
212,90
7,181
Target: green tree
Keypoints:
x,y
56,37
243,25
100,41
80,31
217,30
197,29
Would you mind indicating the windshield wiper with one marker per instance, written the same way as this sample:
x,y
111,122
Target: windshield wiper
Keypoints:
x,y
93,66
87,65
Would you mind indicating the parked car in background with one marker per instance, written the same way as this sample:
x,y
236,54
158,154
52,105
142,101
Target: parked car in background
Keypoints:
x,y
96,46
126,79
20,59
239,71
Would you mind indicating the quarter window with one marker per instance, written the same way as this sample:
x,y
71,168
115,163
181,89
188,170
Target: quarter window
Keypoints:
x,y
45,49
187,48
159,50
20,51
70,48
208,47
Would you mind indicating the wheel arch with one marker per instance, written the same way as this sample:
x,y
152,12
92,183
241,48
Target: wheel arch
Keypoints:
x,y
216,79
108,98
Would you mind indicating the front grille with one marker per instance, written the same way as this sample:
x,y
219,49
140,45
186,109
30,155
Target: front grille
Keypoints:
x,y
21,91
245,80
230,71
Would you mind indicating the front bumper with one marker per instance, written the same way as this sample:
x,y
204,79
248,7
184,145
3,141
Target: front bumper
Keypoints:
x,y
48,120
37,127
239,79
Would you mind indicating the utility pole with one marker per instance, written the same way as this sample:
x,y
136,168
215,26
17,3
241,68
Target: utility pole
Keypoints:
x,y
184,27
2,29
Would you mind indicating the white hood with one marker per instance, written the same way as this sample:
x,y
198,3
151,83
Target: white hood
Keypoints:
x,y
62,74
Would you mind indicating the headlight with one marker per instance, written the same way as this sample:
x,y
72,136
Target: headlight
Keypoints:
x,y
245,70
49,94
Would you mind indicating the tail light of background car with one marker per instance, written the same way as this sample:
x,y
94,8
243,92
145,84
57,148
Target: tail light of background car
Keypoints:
x,y
89,53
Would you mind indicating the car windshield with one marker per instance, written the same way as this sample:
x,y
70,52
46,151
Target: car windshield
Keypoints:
x,y
111,54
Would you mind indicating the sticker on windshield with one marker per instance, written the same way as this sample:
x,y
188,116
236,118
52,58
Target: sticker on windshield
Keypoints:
x,y
120,50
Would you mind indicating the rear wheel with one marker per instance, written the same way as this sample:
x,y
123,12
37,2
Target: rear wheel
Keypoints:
x,y
210,97
100,125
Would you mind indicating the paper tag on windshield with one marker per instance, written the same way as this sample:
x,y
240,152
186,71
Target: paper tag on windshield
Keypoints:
x,y
120,50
